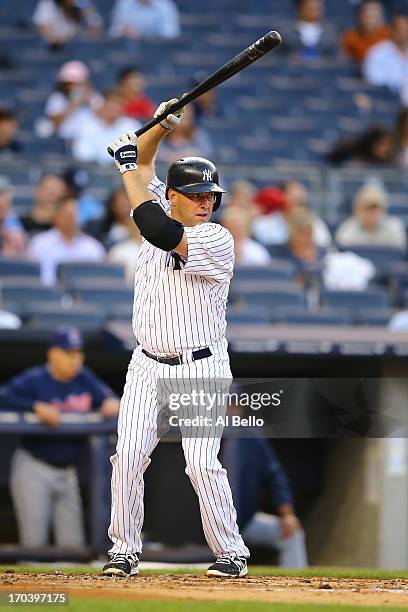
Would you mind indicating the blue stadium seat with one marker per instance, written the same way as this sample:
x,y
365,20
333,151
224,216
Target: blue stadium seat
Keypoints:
x,y
380,256
86,318
373,316
14,266
51,148
271,293
325,316
397,276
121,312
74,271
245,315
278,251
77,284
107,298
26,293
277,270
373,297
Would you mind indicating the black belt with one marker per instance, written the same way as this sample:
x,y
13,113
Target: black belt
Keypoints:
x,y
196,355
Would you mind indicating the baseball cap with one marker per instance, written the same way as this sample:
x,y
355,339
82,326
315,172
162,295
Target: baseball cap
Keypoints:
x,y
369,195
5,184
67,338
270,199
77,178
73,72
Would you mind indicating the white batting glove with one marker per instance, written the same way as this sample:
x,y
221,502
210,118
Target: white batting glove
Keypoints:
x,y
125,152
171,121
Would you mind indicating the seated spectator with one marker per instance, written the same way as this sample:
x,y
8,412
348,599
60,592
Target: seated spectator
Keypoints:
x,y
102,126
125,253
370,224
69,106
386,63
63,243
301,246
402,138
77,181
12,235
399,321
8,129
276,206
207,105
310,35
404,92
135,19
8,320
59,21
6,62
241,197
116,225
187,139
370,30
374,146
347,271
260,475
131,85
49,190
43,482
247,252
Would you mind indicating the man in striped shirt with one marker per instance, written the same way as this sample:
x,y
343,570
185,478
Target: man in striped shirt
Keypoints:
x,y
181,286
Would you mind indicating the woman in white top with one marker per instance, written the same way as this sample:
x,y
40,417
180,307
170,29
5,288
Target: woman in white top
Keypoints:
x,y
70,104
247,252
58,21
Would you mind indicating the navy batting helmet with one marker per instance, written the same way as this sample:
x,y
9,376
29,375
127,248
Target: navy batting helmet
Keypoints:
x,y
194,175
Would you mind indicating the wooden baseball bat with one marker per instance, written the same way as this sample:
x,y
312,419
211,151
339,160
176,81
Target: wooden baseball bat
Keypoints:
x,y
248,56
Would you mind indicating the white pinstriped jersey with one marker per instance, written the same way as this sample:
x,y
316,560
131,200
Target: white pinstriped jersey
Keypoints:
x,y
180,305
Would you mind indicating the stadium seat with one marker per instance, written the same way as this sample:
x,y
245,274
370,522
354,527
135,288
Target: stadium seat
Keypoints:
x,y
94,283
398,279
270,293
277,270
373,316
12,267
121,312
325,316
71,272
86,318
380,256
278,251
27,292
107,298
373,297
246,315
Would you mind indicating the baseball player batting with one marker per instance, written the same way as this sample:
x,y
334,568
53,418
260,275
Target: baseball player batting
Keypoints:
x,y
182,280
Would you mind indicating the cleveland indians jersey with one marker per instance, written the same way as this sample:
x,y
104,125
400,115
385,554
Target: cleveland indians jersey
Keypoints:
x,y
180,304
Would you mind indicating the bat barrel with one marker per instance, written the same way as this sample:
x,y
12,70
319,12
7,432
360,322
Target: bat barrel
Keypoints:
x,y
248,56
242,60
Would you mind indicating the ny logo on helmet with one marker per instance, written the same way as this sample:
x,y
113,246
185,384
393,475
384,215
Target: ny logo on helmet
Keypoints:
x,y
207,175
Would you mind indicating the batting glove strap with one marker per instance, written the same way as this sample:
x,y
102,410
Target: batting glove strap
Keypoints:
x,y
125,152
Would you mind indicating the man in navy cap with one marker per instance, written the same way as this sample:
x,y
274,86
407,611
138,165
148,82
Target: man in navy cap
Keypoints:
x,y
44,482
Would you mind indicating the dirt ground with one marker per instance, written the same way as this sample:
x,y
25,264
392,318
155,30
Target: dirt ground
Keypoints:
x,y
372,592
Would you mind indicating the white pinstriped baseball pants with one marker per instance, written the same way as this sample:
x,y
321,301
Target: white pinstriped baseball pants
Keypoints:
x,y
137,438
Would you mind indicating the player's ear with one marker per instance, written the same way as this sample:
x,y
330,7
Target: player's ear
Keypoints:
x,y
172,195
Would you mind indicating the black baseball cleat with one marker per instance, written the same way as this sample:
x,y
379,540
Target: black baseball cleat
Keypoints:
x,y
229,566
122,565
